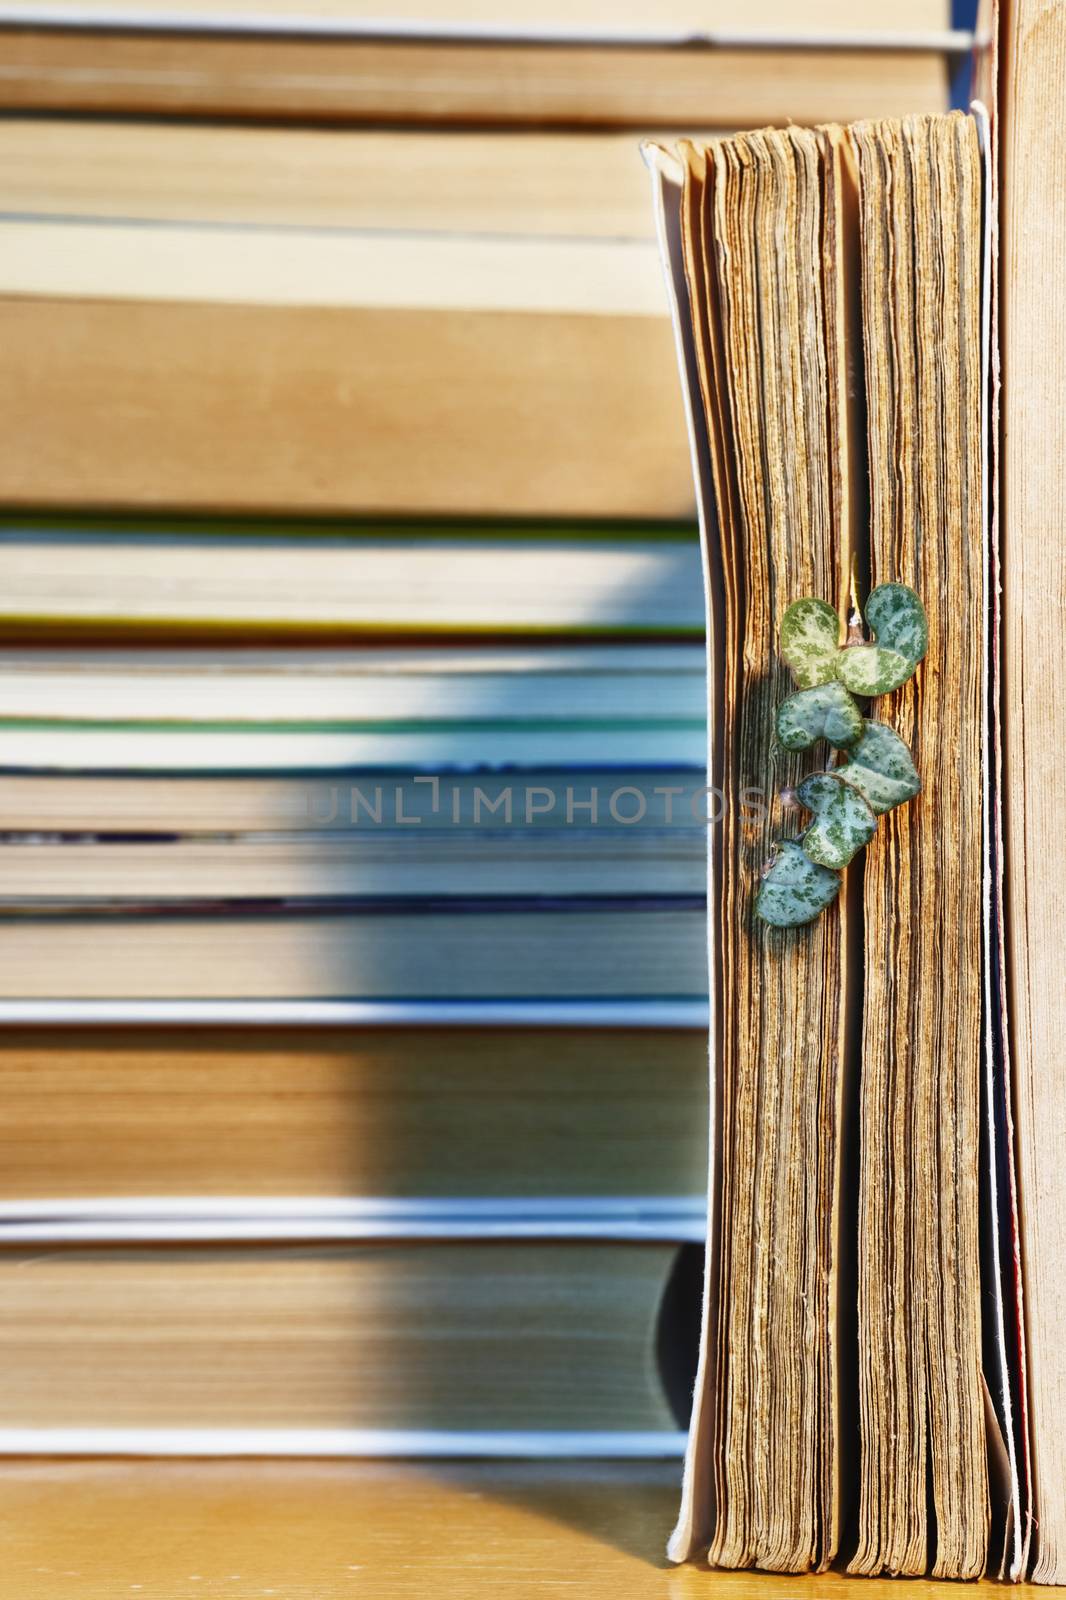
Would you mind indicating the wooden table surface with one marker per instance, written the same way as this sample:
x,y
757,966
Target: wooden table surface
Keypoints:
x,y
313,1530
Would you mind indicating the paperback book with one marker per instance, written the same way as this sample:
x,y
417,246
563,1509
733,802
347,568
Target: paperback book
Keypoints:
x,y
861,1386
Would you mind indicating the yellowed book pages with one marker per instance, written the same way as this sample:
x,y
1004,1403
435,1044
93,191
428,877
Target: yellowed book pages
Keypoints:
x,y
316,1114
597,949
525,17
152,803
921,241
333,356
759,323
456,1337
833,310
353,79
389,861
1033,241
558,184
203,406
196,264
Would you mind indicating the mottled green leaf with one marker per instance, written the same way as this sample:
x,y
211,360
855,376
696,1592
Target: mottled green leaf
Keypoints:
x,y
901,632
794,889
843,822
898,620
880,767
810,641
870,669
825,712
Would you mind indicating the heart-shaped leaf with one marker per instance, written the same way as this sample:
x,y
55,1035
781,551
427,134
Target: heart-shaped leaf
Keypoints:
x,y
843,822
795,889
871,669
901,630
810,642
824,712
880,767
898,620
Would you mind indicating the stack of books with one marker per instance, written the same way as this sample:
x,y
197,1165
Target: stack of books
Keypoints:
x,y
353,721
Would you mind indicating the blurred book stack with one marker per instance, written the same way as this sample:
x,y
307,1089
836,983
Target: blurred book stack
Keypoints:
x,y
352,715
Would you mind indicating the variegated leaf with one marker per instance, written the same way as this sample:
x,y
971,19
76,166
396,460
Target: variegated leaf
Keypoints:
x,y
810,641
880,767
825,712
794,889
843,822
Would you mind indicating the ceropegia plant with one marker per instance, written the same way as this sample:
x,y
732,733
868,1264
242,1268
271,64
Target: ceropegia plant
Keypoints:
x,y
878,773
795,889
843,821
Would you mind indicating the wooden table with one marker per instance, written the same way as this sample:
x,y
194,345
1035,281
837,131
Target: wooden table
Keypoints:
x,y
315,1530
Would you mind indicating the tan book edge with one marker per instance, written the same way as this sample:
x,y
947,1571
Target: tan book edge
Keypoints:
x,y
193,264
1009,1423
604,949
514,18
375,863
342,372
337,411
325,1114
697,1501
784,1035
520,184
922,1028
352,79
194,806
695,1523
457,1336
1032,42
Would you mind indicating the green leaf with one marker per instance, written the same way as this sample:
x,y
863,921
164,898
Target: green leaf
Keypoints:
x,y
870,669
901,631
825,712
810,642
898,620
881,769
795,889
843,822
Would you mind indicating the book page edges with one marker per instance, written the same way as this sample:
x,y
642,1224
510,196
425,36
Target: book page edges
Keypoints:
x,y
847,441
289,22
1009,1400
692,1533
697,1510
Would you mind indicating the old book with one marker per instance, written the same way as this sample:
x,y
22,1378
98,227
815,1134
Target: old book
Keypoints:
x,y
372,861
170,839
780,1032
521,18
415,683
351,1346
1032,42
156,806
829,299
562,184
434,709
300,370
920,240
187,1115
533,948
103,577
589,65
